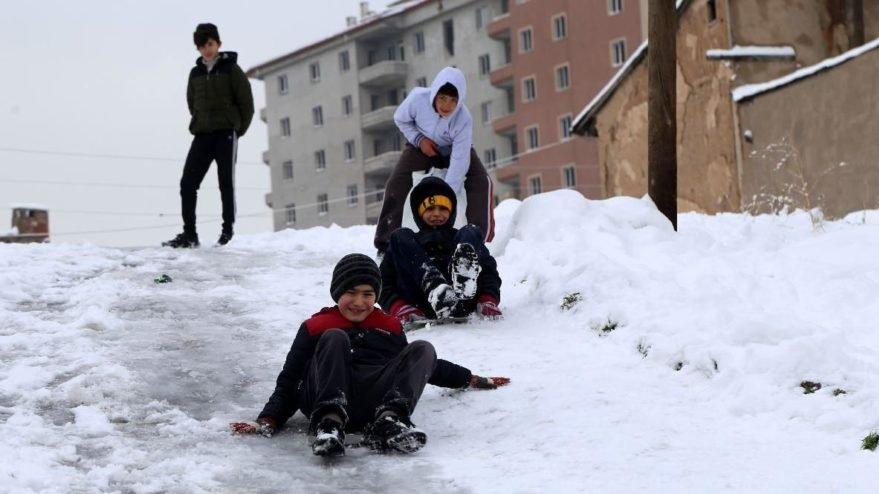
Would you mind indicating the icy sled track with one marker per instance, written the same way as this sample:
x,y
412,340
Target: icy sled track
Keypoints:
x,y
675,365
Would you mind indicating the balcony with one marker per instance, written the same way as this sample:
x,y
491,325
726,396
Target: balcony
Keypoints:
x,y
502,76
381,164
385,73
500,26
504,124
262,115
374,204
378,120
265,157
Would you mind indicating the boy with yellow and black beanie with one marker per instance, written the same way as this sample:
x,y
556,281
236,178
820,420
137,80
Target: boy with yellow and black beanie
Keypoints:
x,y
438,271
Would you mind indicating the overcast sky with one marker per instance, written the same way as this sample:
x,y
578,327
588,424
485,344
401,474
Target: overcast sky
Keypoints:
x,y
109,77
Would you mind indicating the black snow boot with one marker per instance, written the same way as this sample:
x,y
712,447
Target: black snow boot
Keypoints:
x,y
465,271
225,236
394,433
183,240
329,438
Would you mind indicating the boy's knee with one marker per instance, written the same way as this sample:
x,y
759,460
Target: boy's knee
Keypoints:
x,y
422,348
334,337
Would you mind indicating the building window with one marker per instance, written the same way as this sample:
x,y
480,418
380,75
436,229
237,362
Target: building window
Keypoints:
x,y
565,123
283,84
486,113
562,77
529,89
526,41
505,6
349,150
402,51
559,27
618,52
535,184
285,127
320,160
377,146
288,170
344,61
323,204
449,36
314,71
421,82
490,157
484,64
317,116
569,176
347,105
352,195
391,52
419,42
533,137
481,17
712,10
614,7
290,210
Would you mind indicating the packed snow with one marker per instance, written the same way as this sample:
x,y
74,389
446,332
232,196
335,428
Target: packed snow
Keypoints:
x,y
642,360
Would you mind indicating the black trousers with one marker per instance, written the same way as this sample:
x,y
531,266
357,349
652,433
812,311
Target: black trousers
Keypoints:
x,y
417,272
360,392
222,147
477,185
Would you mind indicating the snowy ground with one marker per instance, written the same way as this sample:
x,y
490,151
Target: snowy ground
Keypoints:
x,y
110,382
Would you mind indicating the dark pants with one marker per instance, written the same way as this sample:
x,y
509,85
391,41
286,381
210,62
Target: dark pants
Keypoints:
x,y
333,383
418,273
222,147
477,184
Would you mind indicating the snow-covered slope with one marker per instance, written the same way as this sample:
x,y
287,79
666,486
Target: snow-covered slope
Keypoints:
x,y
675,367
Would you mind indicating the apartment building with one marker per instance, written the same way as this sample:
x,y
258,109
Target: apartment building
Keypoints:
x,y
329,105
556,54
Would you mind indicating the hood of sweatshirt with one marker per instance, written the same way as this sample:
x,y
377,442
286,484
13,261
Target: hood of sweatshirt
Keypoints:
x,y
454,77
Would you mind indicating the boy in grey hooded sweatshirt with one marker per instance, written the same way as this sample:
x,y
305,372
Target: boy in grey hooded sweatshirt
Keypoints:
x,y
439,131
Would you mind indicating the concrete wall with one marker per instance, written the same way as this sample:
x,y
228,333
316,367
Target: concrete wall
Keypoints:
x,y
814,142
707,167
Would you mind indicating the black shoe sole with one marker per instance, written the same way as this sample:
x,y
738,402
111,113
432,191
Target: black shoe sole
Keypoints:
x,y
408,442
329,447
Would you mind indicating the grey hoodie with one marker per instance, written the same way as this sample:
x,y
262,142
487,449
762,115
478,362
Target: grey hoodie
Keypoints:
x,y
416,119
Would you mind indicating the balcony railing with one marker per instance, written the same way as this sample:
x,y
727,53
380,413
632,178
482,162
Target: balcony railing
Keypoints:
x,y
381,164
384,73
502,76
377,120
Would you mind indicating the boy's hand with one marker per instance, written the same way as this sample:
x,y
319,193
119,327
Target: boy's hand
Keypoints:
x,y
265,426
487,308
479,382
405,312
428,147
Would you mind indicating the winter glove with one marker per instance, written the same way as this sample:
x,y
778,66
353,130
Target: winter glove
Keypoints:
x,y
479,382
264,426
405,312
486,307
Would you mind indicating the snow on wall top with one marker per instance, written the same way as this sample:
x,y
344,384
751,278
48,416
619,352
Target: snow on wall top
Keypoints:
x,y
753,52
748,91
28,205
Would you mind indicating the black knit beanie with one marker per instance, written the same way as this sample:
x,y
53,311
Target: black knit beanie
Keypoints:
x,y
353,270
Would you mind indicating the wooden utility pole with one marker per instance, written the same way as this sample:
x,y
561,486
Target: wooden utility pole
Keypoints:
x,y
662,160
856,23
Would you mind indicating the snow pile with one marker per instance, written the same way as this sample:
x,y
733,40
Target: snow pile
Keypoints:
x,y
642,359
753,52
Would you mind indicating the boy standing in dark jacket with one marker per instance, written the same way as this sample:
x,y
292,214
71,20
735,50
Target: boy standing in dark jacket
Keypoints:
x,y
221,107
350,368
438,271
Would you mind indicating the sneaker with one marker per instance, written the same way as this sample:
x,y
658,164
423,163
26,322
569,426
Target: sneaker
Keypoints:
x,y
183,241
442,300
329,438
465,271
225,237
393,433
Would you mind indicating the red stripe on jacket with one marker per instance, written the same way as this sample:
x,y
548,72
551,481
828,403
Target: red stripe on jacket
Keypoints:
x,y
332,318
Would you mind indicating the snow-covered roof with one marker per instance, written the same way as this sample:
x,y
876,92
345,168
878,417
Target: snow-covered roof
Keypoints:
x,y
580,124
752,52
395,9
748,91
28,205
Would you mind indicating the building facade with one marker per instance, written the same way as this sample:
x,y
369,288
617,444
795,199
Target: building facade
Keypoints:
x,y
556,54
329,106
754,133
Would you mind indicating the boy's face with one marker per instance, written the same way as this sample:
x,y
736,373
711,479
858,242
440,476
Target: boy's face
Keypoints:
x,y
445,104
210,49
357,303
436,215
